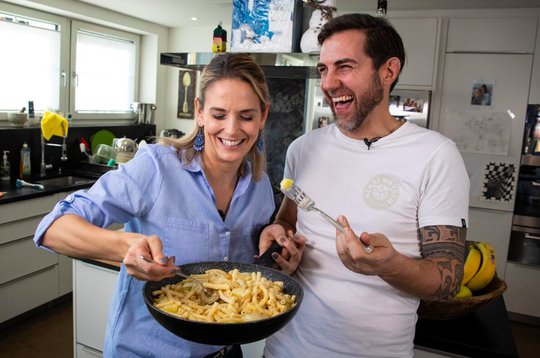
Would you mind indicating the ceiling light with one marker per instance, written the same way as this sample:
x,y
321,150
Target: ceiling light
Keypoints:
x,y
194,18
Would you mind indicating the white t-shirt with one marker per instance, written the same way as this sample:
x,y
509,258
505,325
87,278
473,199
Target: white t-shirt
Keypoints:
x,y
412,178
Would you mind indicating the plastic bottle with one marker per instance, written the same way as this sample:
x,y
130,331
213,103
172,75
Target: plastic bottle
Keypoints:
x,y
5,172
26,169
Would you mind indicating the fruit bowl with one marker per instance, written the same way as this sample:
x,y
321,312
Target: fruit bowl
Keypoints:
x,y
459,307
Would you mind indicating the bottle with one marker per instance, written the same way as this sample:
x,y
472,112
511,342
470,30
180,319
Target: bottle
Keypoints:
x,y
25,162
5,173
381,8
219,42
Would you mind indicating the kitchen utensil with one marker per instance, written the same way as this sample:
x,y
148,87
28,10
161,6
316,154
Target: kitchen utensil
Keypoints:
x,y
304,202
102,136
16,119
186,81
21,183
126,149
144,112
224,333
208,297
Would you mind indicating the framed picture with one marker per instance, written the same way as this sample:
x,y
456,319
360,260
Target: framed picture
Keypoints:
x,y
482,94
186,95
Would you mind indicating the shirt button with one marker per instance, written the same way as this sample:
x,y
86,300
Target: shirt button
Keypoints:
x,y
226,258
228,233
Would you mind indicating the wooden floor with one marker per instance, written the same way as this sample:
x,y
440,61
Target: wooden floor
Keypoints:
x,y
50,335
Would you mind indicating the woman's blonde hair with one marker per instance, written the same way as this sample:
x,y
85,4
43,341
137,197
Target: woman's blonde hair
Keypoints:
x,y
229,66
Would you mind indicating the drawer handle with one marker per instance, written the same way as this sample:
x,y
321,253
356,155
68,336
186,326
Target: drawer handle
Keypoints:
x,y
532,237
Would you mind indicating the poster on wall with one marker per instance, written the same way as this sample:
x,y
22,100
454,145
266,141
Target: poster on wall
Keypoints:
x,y
482,94
499,182
186,95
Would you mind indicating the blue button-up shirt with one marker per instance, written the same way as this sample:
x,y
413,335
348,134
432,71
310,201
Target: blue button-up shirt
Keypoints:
x,y
156,194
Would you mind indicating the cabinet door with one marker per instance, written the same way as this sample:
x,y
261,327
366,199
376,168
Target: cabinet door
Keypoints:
x,y
493,227
419,37
523,293
494,35
93,290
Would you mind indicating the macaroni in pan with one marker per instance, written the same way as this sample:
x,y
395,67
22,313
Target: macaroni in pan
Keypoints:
x,y
239,297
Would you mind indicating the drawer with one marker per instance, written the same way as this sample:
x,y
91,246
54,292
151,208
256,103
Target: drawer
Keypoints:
x,y
523,293
19,296
87,352
27,208
19,229
22,257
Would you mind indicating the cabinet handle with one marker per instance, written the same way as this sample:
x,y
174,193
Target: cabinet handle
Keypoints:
x,y
532,237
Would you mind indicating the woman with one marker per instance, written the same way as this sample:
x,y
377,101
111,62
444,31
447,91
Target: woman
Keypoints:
x,y
202,198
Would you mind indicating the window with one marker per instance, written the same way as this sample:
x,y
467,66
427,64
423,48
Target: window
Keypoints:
x,y
30,65
104,64
66,65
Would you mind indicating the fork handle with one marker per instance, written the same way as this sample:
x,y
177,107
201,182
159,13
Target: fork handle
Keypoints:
x,y
367,249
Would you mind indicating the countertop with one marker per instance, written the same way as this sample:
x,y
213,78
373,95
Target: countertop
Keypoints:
x,y
483,333
14,194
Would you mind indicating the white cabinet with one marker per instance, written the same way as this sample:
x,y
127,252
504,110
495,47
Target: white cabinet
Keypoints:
x,y
493,35
93,288
29,276
493,227
420,39
523,293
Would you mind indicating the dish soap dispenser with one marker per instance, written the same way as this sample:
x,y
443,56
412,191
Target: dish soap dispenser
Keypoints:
x,y
25,162
5,173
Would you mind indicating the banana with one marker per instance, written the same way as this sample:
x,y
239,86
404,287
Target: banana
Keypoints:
x,y
472,263
463,292
487,268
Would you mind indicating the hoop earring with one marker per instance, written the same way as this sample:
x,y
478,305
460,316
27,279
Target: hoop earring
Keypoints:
x,y
260,143
198,145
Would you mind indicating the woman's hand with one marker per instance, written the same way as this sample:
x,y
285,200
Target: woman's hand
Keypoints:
x,y
293,247
148,248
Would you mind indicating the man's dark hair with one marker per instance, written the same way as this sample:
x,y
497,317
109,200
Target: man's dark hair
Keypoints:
x,y
383,41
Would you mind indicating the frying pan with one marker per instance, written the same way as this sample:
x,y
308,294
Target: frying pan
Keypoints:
x,y
224,333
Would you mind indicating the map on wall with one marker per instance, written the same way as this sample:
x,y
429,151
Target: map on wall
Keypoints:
x,y
479,132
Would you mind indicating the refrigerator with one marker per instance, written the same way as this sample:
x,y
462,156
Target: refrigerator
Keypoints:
x,y
483,110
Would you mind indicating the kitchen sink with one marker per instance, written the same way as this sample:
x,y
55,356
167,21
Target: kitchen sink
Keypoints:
x,y
66,181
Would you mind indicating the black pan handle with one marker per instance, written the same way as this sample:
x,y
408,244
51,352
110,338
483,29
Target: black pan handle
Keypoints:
x,y
266,258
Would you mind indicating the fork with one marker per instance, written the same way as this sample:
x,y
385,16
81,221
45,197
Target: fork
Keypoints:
x,y
207,296
304,202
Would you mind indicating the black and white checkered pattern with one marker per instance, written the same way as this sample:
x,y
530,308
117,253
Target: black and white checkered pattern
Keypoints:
x,y
499,182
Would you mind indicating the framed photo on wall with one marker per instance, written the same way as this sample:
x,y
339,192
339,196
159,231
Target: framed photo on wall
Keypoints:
x,y
186,95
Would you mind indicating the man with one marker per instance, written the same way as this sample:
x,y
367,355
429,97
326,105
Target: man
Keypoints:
x,y
403,187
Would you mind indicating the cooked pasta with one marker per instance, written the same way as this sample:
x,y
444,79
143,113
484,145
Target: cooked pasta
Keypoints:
x,y
238,297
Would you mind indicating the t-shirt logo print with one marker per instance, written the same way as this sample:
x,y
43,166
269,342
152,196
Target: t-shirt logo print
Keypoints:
x,y
381,192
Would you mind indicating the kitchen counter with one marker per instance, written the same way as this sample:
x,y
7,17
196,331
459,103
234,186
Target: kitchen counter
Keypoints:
x,y
483,333
51,186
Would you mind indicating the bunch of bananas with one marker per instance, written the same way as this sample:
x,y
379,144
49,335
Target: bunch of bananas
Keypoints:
x,y
479,268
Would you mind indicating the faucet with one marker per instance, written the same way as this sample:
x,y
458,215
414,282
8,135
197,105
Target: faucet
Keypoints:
x,y
43,167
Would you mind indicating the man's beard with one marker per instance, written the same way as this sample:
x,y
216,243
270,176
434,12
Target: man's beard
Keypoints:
x,y
366,103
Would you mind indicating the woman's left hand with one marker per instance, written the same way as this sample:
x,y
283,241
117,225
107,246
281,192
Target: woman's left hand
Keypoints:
x,y
294,246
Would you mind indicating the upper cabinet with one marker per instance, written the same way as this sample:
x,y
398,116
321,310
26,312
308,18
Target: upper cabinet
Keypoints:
x,y
420,38
491,35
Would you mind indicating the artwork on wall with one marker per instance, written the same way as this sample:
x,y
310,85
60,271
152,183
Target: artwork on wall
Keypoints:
x,y
499,182
186,95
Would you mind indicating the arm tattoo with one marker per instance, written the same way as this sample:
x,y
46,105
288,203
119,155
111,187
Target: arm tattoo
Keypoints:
x,y
444,245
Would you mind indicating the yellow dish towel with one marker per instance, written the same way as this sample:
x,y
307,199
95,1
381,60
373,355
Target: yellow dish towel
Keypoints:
x,y
52,123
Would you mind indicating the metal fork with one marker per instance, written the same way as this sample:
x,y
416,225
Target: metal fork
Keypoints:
x,y
305,203
207,296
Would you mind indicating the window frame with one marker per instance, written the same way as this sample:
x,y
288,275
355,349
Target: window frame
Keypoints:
x,y
77,25
68,30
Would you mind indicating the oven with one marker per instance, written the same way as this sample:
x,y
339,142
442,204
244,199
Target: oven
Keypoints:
x,y
524,245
